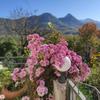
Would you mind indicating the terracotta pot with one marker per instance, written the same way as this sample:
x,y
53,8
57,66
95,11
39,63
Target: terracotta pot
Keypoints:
x,y
13,94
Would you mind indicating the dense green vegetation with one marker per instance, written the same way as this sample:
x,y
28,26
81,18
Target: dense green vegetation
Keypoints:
x,y
5,78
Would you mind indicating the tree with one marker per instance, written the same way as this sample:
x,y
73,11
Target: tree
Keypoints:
x,y
8,44
19,26
98,33
87,31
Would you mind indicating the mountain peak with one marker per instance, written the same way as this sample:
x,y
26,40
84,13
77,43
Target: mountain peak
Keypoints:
x,y
70,20
47,14
69,15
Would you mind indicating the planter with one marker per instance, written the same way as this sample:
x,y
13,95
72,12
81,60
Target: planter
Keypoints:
x,y
13,94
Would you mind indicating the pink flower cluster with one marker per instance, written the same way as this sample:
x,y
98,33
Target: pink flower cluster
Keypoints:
x,y
18,74
79,71
43,55
25,98
39,71
42,89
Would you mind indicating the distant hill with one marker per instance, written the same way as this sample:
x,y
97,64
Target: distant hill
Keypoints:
x,y
87,20
67,25
71,21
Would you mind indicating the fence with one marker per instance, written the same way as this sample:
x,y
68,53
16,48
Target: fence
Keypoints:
x,y
94,91
73,92
11,62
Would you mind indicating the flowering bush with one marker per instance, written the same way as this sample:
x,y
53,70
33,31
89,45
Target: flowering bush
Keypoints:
x,y
43,63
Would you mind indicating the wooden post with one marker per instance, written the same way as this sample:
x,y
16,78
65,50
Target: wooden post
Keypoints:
x,y
72,95
59,90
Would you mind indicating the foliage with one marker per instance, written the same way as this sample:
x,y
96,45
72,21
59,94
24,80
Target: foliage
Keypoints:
x,y
86,91
94,78
98,33
8,61
11,50
73,41
96,44
54,36
87,30
88,40
5,77
8,44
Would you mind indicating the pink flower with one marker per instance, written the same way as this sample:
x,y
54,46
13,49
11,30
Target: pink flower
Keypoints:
x,y
22,73
42,82
79,71
34,37
29,37
58,74
31,77
16,70
30,69
18,74
14,78
32,61
25,98
41,90
85,71
73,69
39,71
52,51
44,63
2,97
15,74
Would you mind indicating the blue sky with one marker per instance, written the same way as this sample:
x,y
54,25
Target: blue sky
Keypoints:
x,y
81,9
